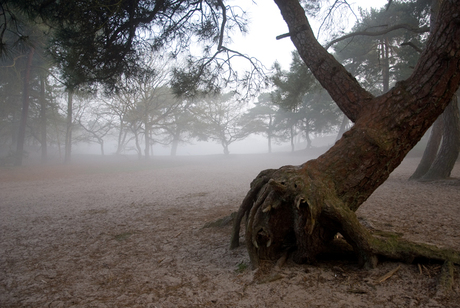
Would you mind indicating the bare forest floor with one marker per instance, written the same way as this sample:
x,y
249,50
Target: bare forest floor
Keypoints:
x,y
124,233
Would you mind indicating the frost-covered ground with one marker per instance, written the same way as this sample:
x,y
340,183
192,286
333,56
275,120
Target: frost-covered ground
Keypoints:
x,y
125,233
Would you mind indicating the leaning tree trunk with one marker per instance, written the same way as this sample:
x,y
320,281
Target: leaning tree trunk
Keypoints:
x,y
431,150
303,207
448,153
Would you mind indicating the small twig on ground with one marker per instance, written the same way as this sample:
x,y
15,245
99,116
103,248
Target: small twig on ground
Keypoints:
x,y
388,275
427,270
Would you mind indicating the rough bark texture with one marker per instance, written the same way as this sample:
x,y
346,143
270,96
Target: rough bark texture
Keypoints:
x,y
303,207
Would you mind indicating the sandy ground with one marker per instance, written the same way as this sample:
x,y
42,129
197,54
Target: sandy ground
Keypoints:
x,y
130,234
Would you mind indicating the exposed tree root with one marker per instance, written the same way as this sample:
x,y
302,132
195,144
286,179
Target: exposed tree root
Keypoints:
x,y
396,248
289,209
446,278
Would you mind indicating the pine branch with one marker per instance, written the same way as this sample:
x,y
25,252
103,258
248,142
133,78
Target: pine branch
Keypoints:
x,y
379,33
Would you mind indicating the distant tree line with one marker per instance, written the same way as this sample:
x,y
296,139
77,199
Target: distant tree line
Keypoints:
x,y
145,112
52,98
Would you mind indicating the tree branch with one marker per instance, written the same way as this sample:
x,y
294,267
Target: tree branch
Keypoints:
x,y
341,85
378,33
222,27
418,49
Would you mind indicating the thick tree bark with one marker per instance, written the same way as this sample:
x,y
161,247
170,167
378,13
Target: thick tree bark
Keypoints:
x,y
388,126
305,206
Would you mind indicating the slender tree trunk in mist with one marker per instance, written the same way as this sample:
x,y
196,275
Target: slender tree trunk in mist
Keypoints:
x,y
174,145
450,147
58,140
307,136
269,143
146,138
121,137
431,150
43,120
386,65
225,146
136,139
270,133
101,142
68,133
25,111
437,163
303,207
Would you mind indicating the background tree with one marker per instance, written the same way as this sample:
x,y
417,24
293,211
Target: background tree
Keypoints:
x,y
443,146
96,123
119,106
286,123
377,52
310,107
219,119
25,41
261,119
178,127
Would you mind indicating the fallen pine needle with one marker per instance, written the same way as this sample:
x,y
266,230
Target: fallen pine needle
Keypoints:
x,y
420,269
388,275
427,270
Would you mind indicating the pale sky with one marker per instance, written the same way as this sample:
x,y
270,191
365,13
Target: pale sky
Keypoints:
x,y
267,23
260,42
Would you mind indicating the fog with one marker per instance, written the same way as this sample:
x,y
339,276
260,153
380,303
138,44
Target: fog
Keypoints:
x,y
253,144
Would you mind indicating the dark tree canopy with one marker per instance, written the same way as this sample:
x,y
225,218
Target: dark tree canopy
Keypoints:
x,y
98,41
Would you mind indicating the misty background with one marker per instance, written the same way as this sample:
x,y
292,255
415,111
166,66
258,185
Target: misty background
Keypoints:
x,y
287,111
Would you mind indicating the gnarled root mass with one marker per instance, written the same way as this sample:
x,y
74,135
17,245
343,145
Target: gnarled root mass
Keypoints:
x,y
292,210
